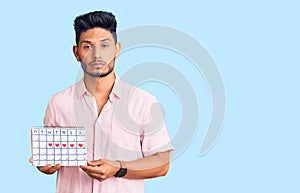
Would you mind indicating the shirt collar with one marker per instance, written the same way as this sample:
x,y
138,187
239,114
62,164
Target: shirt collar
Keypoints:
x,y
116,92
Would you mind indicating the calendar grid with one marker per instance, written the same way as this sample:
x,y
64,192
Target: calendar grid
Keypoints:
x,y
58,145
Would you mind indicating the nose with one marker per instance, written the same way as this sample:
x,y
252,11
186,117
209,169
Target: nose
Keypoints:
x,y
96,51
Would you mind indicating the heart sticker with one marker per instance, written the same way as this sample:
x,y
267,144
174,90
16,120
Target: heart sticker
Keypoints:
x,y
80,144
72,145
57,144
50,144
64,145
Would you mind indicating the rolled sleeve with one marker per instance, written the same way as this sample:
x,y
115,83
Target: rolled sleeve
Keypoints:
x,y
154,135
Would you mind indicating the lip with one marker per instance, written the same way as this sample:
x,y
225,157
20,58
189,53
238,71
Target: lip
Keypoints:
x,y
98,64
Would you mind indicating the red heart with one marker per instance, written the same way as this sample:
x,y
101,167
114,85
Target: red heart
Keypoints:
x,y
64,145
50,144
80,144
57,144
72,145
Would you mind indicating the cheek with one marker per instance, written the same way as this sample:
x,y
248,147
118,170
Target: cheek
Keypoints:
x,y
83,54
109,56
83,65
86,56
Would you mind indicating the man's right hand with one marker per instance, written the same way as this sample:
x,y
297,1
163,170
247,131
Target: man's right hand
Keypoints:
x,y
47,169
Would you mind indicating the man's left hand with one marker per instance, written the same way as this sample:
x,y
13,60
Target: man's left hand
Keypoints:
x,y
101,169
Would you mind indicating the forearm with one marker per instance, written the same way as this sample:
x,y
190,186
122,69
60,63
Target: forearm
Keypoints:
x,y
148,167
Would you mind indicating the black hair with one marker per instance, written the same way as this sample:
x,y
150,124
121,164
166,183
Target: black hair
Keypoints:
x,y
102,19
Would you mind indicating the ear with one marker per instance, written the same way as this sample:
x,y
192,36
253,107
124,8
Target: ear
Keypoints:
x,y
75,52
118,49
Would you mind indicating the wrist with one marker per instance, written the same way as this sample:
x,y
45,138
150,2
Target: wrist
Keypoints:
x,y
122,169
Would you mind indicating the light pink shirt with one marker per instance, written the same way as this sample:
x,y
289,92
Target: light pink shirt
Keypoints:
x,y
130,126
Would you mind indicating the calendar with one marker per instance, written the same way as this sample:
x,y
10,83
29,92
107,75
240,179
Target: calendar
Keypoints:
x,y
58,145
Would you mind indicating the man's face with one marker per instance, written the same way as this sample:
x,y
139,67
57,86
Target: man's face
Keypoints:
x,y
96,50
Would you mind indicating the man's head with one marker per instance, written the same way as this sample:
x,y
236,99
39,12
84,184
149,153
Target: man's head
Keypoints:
x,y
101,19
96,42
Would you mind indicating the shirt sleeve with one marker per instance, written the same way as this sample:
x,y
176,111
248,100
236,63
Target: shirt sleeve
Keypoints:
x,y
154,135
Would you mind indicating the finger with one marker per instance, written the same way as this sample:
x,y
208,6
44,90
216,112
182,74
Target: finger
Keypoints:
x,y
95,176
91,169
31,161
54,168
44,168
49,169
99,177
95,163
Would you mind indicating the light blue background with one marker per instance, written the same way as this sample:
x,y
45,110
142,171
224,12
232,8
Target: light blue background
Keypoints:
x,y
254,43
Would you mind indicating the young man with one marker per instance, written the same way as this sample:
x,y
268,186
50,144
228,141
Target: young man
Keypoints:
x,y
127,140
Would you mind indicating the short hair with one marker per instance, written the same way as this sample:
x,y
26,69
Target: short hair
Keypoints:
x,y
102,19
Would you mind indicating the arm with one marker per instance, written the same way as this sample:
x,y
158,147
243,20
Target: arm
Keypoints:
x,y
148,167
48,121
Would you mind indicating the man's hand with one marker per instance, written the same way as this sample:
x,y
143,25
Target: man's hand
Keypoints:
x,y
101,169
47,169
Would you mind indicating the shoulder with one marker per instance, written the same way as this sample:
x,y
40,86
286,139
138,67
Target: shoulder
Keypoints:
x,y
63,97
133,93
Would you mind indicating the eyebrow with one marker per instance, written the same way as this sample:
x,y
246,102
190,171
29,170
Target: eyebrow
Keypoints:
x,y
105,39
90,42
85,41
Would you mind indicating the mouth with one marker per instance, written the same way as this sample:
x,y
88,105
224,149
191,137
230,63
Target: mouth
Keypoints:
x,y
98,64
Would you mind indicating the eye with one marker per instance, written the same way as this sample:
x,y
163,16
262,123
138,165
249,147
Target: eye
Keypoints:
x,y
104,46
87,47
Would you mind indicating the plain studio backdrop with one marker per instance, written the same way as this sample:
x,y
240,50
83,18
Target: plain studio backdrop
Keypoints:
x,y
255,45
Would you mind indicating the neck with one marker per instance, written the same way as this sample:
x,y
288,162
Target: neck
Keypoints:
x,y
102,85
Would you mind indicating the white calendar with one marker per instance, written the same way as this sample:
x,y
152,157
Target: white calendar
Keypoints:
x,y
58,145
